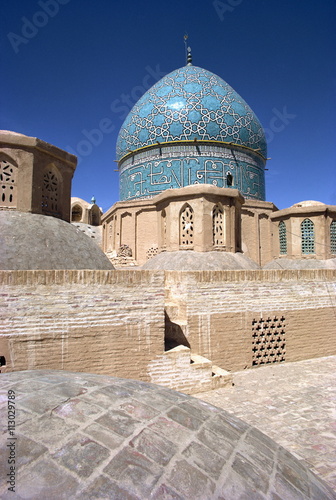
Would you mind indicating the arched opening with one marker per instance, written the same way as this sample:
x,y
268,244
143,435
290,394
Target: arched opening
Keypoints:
x,y
8,182
95,216
283,238
163,229
218,233
76,213
307,237
229,179
187,226
333,237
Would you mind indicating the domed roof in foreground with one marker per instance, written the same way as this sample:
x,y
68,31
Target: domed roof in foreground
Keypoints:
x,y
190,103
189,260
308,203
85,436
32,241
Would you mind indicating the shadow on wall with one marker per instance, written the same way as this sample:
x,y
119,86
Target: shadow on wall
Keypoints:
x,y
174,335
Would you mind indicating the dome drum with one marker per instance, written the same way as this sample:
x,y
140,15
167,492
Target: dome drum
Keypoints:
x,y
153,169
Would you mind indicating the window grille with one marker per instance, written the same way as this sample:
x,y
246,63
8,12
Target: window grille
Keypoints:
x,y
283,238
8,174
333,237
218,226
187,226
307,237
50,193
268,340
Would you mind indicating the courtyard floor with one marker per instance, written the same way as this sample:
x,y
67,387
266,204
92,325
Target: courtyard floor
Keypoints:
x,y
293,403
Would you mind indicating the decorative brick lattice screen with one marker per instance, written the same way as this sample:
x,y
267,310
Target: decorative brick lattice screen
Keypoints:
x,y
268,341
187,226
50,193
218,226
151,252
8,175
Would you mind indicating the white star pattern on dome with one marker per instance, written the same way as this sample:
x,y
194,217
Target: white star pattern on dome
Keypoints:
x,y
190,103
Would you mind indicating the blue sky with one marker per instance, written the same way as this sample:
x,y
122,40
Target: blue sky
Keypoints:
x,y
72,69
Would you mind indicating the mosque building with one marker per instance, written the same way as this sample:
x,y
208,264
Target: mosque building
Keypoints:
x,y
192,157
198,274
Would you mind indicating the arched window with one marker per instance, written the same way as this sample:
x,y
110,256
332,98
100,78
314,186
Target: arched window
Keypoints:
x,y
229,179
187,226
8,180
76,213
218,226
283,238
307,237
333,237
50,192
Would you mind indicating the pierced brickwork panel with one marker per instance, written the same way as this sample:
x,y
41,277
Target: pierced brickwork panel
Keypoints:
x,y
333,237
218,226
283,238
187,226
50,193
268,340
8,174
307,237
151,252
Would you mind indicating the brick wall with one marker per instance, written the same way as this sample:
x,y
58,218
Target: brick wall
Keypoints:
x,y
108,322
112,322
221,305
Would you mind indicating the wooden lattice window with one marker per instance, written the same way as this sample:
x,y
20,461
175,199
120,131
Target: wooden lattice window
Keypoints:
x,y
187,226
268,340
50,193
333,237
8,180
307,237
283,238
218,226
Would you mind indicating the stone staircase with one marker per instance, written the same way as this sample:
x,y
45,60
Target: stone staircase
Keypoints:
x,y
186,371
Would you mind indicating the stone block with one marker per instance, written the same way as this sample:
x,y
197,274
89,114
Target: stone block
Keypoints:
x,y
157,448
191,482
81,455
136,472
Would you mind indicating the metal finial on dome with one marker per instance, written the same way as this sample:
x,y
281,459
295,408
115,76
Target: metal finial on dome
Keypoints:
x,y
189,58
188,51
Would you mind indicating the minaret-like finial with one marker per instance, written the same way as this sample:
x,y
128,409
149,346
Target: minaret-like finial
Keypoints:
x,y
187,51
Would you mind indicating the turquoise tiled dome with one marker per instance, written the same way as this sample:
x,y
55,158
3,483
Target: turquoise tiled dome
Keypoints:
x,y
190,103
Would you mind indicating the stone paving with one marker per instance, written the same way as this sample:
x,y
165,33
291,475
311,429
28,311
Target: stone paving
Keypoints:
x,y
85,436
294,404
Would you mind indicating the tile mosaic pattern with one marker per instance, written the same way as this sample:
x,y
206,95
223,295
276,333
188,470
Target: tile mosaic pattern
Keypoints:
x,y
189,103
148,173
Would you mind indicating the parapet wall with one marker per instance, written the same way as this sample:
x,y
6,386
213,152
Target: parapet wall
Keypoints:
x,y
108,322
240,319
112,322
